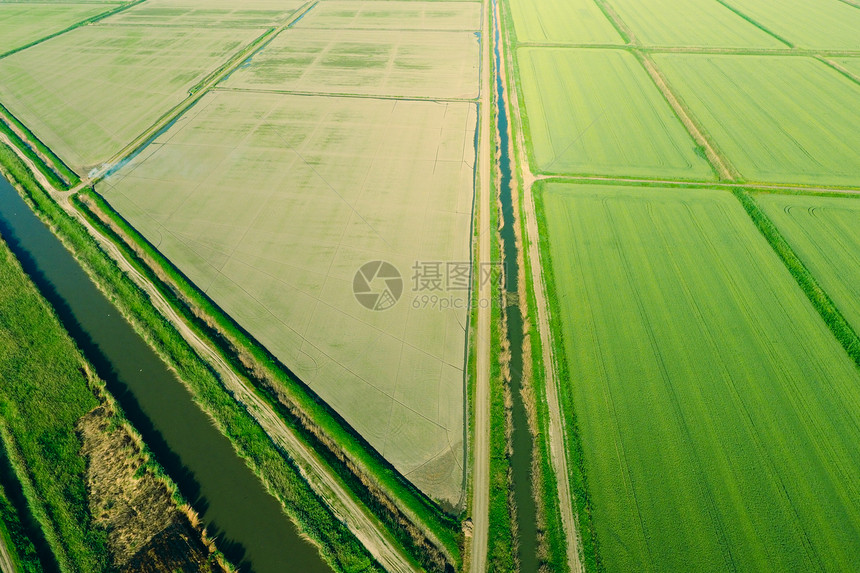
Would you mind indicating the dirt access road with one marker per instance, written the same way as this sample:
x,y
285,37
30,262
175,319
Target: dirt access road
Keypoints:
x,y
481,445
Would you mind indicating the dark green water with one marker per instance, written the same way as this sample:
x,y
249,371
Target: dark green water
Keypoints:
x,y
522,443
248,523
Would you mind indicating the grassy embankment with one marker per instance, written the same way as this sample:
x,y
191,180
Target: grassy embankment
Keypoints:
x,y
551,543
60,176
338,545
22,552
552,546
48,387
577,477
44,392
501,540
501,554
820,300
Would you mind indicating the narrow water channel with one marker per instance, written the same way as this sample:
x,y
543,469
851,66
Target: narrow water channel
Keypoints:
x,y
522,443
248,523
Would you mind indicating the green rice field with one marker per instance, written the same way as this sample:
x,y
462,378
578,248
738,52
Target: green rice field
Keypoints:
x,y
690,23
823,231
818,24
271,203
597,112
777,119
720,419
381,62
21,24
562,22
88,93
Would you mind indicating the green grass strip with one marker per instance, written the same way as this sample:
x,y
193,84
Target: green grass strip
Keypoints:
x,y
837,324
21,550
50,174
42,396
551,532
500,554
339,547
576,457
62,170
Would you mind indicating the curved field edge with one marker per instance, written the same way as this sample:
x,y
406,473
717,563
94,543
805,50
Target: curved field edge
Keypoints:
x,y
58,498
577,476
282,479
351,458
820,300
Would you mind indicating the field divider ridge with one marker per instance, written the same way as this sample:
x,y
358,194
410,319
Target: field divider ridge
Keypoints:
x,y
761,27
626,32
342,95
818,297
838,68
689,184
719,163
326,484
723,169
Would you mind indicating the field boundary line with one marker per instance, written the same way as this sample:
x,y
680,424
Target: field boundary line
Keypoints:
x,y
851,3
842,70
817,296
724,170
84,22
311,466
703,50
620,26
721,166
342,95
755,23
685,184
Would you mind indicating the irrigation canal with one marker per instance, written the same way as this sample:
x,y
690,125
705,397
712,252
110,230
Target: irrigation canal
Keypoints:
x,y
248,523
521,438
